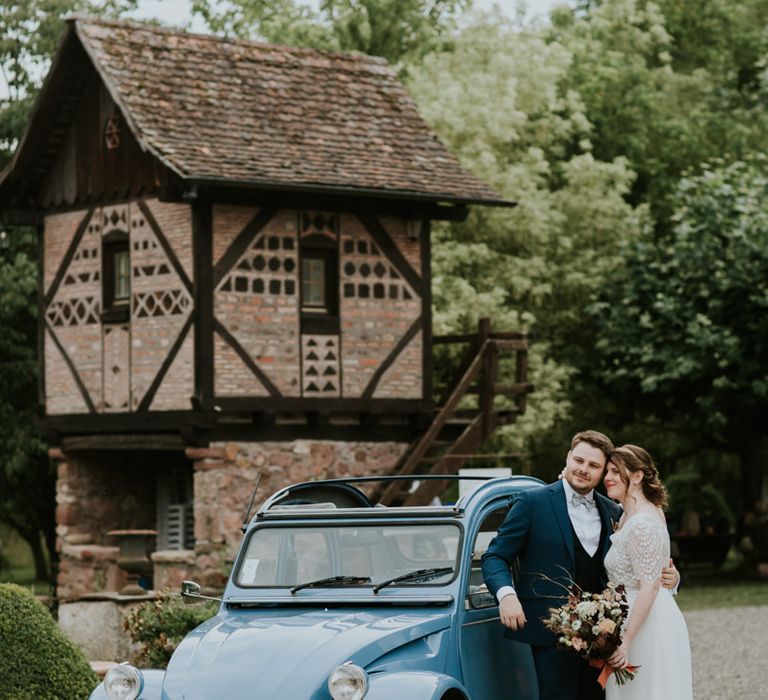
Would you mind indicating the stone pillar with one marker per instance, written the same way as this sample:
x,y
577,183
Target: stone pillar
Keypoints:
x,y
172,566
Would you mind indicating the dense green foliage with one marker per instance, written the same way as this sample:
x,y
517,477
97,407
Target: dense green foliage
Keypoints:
x,y
30,33
160,624
37,661
683,330
395,29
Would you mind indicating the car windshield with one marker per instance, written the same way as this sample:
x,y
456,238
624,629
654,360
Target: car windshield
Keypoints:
x,y
292,556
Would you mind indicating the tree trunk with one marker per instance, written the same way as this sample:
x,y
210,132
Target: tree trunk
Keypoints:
x,y
32,538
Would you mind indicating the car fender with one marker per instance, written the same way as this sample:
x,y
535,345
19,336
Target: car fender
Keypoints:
x,y
412,685
153,686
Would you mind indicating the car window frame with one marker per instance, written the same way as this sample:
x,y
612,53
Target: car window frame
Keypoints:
x,y
458,561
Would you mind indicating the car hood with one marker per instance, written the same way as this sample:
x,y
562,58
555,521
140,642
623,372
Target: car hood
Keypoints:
x,y
284,653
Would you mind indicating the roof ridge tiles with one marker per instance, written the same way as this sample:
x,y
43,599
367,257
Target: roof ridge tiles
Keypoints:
x,y
362,59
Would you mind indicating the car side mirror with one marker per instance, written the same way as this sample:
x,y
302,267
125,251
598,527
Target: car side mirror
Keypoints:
x,y
480,597
191,591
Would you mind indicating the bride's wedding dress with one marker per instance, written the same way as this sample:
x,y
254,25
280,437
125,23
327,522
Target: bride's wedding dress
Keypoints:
x,y
639,550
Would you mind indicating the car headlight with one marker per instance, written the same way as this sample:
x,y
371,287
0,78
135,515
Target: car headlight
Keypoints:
x,y
124,682
348,682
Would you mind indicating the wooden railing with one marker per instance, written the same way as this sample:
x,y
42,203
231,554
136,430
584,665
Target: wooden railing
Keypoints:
x,y
455,435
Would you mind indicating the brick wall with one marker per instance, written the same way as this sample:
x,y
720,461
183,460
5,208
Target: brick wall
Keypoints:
x,y
257,301
378,306
72,317
160,305
117,363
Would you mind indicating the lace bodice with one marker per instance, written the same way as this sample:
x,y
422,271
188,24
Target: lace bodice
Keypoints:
x,y
639,551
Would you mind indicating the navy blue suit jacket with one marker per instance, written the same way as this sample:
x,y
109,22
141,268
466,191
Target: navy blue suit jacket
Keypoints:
x,y
538,532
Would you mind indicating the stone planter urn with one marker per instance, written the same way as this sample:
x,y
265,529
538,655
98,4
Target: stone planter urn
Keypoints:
x,y
135,548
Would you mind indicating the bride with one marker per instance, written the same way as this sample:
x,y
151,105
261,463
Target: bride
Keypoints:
x,y
655,636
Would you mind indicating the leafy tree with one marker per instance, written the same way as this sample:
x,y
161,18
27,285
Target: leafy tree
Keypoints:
x,y
497,100
395,29
29,32
26,480
682,332
669,84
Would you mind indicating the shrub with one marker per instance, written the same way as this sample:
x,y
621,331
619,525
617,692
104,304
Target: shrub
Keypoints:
x,y
159,625
37,662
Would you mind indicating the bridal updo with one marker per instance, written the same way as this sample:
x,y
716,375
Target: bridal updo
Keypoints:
x,y
630,459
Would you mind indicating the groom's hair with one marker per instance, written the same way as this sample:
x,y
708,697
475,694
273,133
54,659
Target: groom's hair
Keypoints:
x,y
592,437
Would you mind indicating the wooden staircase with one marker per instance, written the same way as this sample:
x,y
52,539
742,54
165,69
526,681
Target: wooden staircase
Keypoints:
x,y
456,434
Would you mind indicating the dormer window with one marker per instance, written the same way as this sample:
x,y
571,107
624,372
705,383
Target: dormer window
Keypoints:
x,y
116,292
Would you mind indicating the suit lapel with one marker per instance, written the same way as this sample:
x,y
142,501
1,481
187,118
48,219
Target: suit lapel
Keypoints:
x,y
557,501
607,523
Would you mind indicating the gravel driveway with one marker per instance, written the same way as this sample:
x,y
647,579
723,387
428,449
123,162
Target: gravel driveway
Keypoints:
x,y
730,646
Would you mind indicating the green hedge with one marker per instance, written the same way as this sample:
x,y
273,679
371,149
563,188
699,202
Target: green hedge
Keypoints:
x,y
37,662
160,624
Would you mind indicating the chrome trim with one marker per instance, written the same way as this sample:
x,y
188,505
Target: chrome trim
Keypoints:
x,y
480,622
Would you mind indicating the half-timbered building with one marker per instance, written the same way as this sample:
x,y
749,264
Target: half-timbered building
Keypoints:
x,y
234,280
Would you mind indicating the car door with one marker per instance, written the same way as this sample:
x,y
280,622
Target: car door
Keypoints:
x,y
493,667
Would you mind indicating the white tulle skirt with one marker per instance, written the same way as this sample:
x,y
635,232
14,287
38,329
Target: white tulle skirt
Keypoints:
x,y
663,651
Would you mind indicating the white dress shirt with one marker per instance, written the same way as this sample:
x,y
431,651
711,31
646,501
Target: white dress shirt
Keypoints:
x,y
586,524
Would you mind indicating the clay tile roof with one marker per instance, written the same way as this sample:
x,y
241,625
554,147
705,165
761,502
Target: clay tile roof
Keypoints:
x,y
238,111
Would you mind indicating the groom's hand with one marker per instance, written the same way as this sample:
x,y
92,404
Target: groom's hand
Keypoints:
x,y
511,612
670,576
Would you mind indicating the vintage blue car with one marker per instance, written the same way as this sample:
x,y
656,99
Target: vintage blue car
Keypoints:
x,y
333,598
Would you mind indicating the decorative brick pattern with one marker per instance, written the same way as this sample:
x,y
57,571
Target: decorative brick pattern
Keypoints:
x,y
73,315
115,218
320,365
268,268
258,303
160,306
115,372
59,231
319,223
377,308
117,368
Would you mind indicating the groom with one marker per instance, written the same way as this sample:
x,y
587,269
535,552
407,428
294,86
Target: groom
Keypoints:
x,y
560,533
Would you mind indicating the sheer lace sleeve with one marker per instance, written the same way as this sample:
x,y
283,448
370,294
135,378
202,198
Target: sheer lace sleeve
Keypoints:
x,y
648,548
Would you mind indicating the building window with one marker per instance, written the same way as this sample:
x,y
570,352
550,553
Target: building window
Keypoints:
x,y
116,277
319,285
122,284
314,276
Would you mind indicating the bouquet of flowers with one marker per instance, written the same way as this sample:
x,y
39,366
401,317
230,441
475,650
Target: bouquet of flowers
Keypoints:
x,y
590,624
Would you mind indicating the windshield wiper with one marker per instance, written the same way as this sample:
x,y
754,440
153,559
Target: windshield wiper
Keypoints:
x,y
415,575
331,580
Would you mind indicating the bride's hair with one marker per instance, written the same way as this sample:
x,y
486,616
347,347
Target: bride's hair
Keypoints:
x,y
631,458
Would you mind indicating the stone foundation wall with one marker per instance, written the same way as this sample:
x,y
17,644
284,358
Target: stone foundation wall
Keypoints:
x,y
117,490
93,496
225,475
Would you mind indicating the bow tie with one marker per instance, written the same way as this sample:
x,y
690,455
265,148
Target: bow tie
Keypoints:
x,y
578,500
